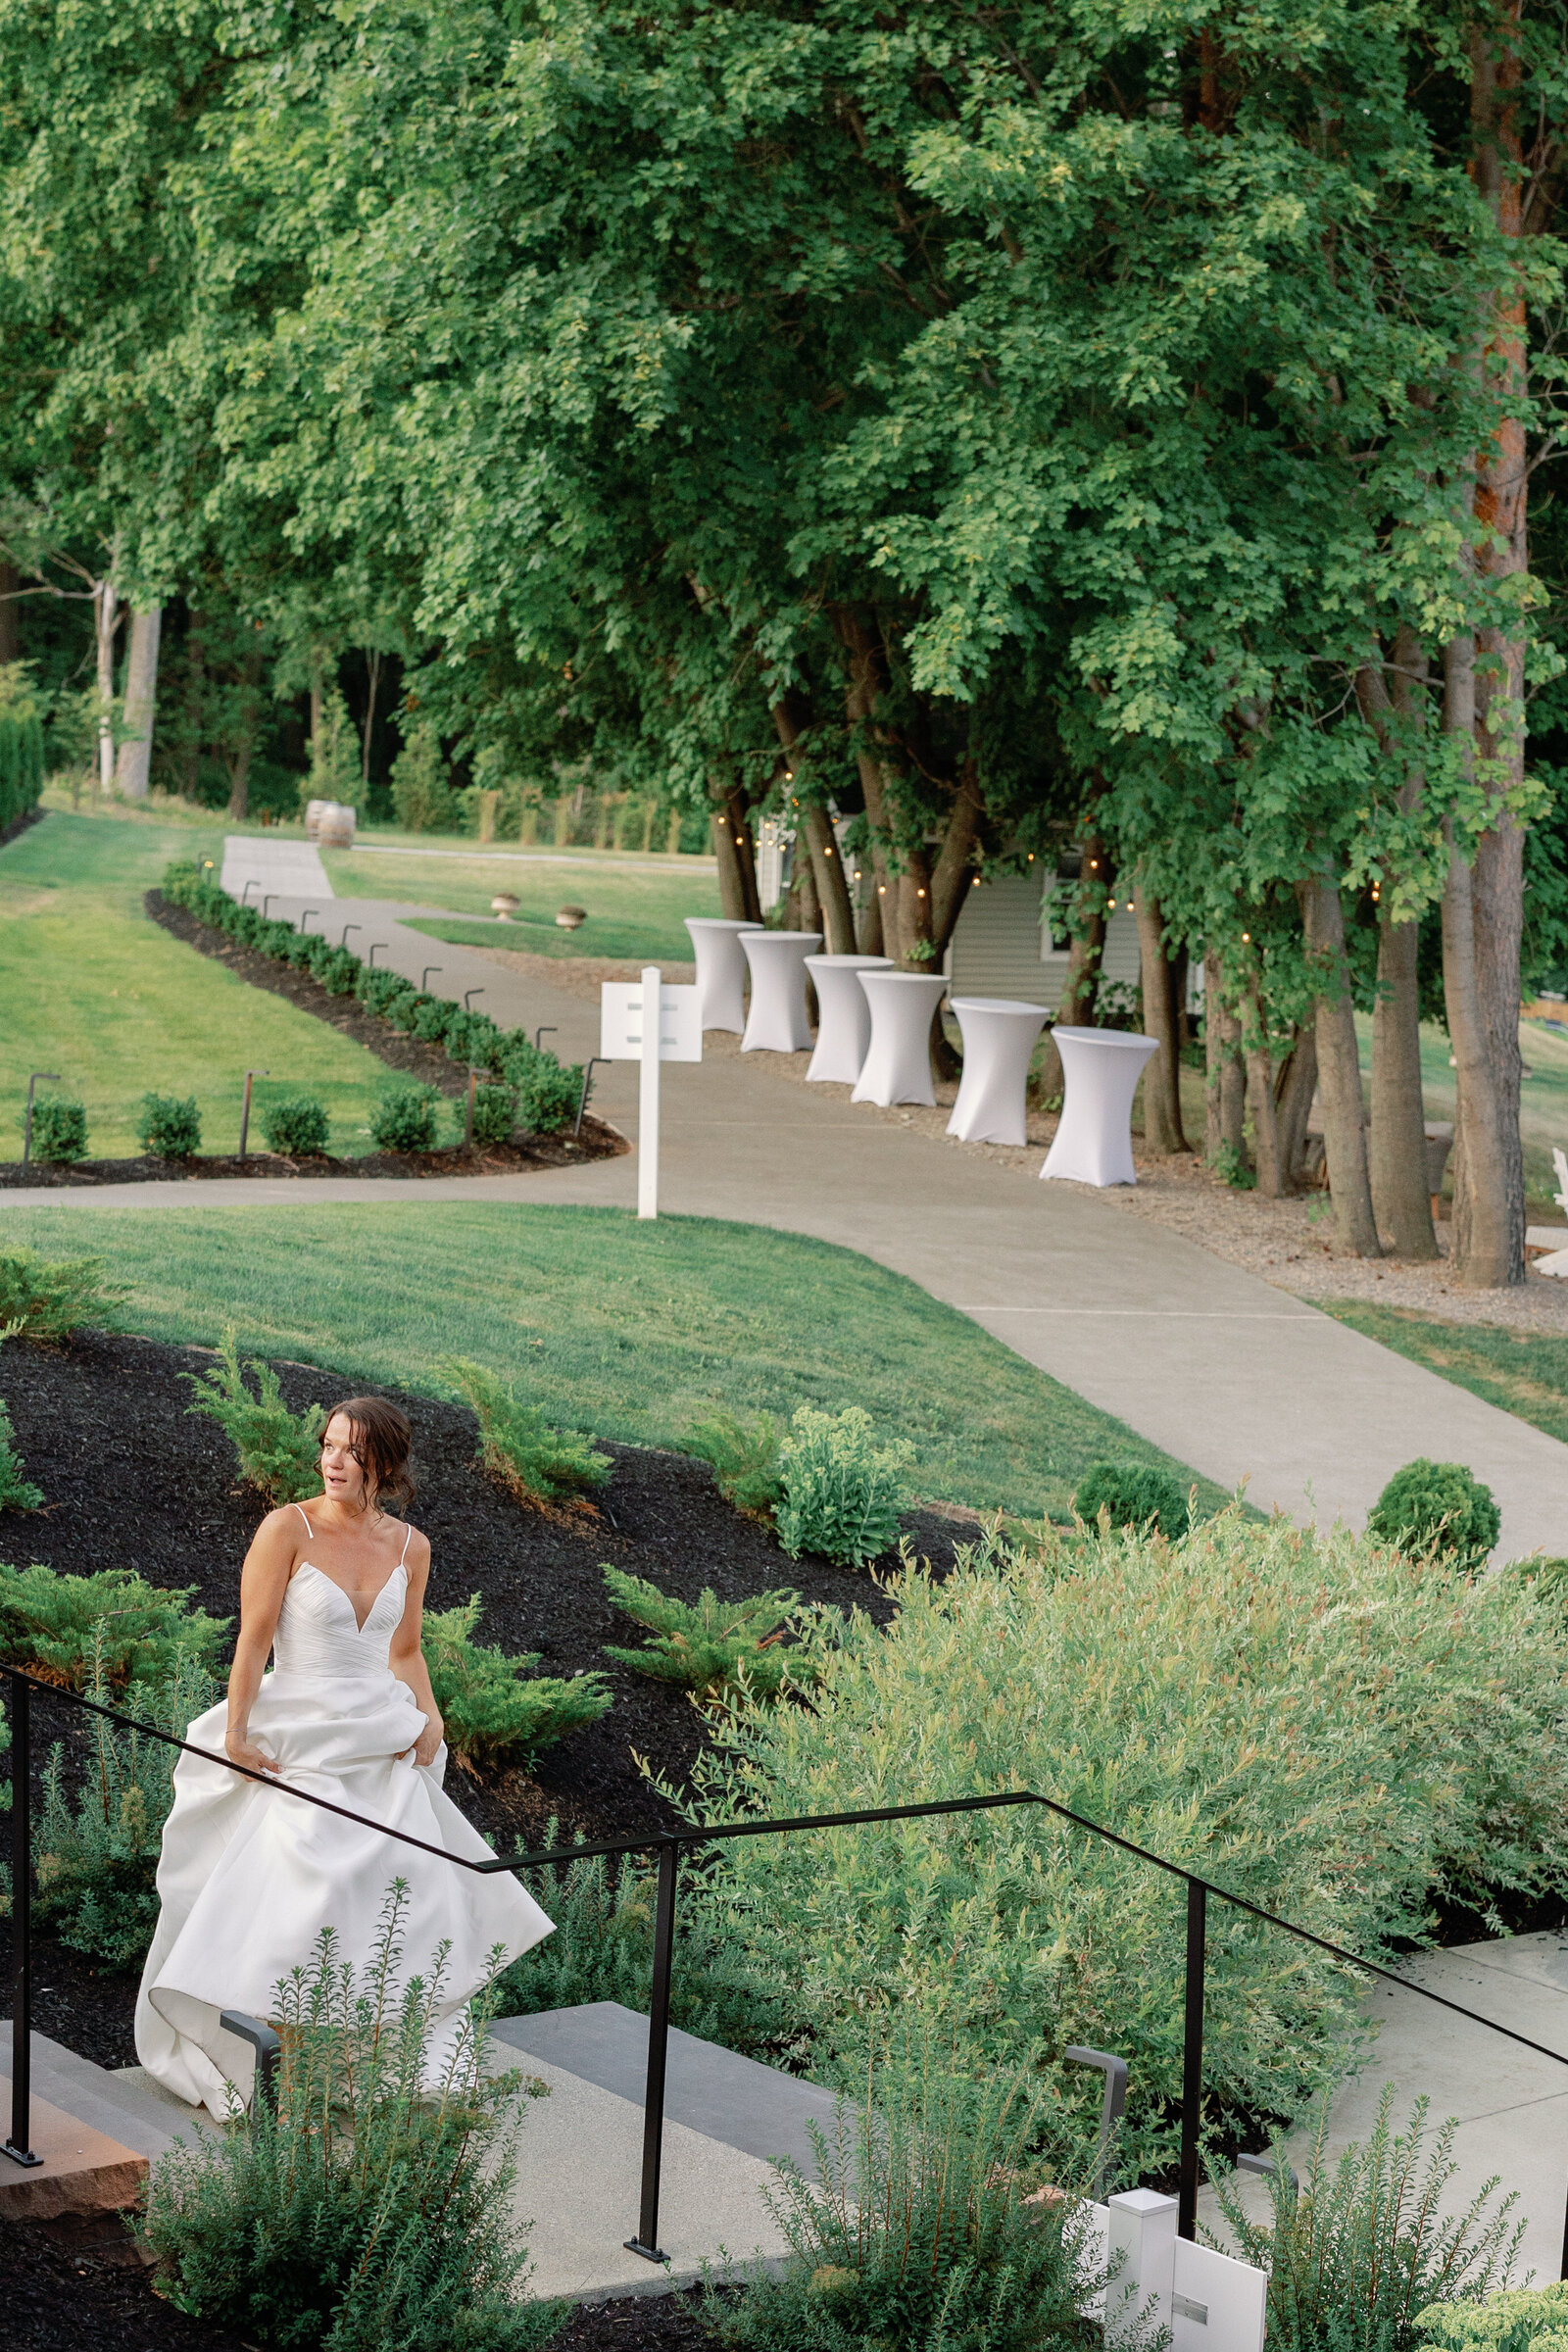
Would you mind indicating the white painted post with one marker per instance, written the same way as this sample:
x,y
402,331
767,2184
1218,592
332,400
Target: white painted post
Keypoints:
x,y
648,1097
1143,2231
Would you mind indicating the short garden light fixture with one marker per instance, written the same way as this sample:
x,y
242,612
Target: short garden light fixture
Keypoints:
x,y
304,916
251,884
424,976
245,1110
266,903
545,1029
50,1078
468,995
375,944
347,928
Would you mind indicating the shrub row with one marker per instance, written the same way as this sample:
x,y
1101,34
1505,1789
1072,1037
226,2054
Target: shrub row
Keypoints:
x,y
546,1091
21,744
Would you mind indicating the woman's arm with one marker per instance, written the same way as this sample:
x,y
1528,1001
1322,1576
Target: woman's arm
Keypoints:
x,y
262,1583
406,1657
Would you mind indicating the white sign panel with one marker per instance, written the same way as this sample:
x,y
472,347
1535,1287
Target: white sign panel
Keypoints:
x,y
620,1023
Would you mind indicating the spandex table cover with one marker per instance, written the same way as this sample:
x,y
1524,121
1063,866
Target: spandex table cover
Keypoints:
x,y
844,1028
898,1062
721,970
777,1022
1100,1069
999,1039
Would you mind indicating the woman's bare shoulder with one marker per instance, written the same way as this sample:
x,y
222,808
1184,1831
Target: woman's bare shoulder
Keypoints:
x,y
416,1555
282,1527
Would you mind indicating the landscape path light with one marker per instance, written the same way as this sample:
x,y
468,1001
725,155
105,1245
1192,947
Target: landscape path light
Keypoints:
x,y
267,902
251,884
305,917
468,995
347,928
425,977
245,1109
375,947
545,1029
50,1078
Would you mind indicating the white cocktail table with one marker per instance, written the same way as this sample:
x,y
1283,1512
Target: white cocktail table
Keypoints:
x,y
999,1039
777,1022
844,1025
1100,1069
898,1060
721,970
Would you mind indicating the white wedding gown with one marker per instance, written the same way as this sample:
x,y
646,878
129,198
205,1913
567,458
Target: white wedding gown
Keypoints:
x,y
248,1877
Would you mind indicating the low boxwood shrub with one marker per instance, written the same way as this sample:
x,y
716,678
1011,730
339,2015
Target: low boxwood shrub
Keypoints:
x,y
404,1120
547,1092
842,1492
433,1018
278,1452
170,1126
337,970
495,1709
71,1629
273,939
298,949
495,1114
1438,1506
48,1298
369,2212
59,1130
376,987
709,1647
745,1460
534,1462
1135,1494
404,1011
1337,1731
298,1126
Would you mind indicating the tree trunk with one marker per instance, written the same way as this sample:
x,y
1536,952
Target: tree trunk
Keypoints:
x,y
1339,1065
133,760
871,926
1225,1073
9,613
1162,1100
106,617
1293,1090
733,845
1400,1196
1260,1098
832,885
1085,955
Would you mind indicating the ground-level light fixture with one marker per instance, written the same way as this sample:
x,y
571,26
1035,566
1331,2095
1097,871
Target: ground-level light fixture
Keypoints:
x,y
245,1110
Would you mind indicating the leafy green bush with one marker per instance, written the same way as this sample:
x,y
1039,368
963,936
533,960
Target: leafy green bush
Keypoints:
x,y
471,1037
422,793
548,1093
59,1130
170,1126
404,1119
337,972
97,1853
48,1298
16,1494
369,2213
1360,2261
842,1492
279,1451
710,1648
404,1011
495,1114
71,1628
1438,1506
534,1463
493,1715
1135,1494
745,1460
376,986
931,2231
1334,1729
1523,2319
21,760
298,1126
433,1018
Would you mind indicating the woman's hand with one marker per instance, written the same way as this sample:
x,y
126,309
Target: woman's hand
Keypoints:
x,y
241,1749
423,1750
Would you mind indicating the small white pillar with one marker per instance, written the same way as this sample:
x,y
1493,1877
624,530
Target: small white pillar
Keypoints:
x,y
648,1097
1142,2234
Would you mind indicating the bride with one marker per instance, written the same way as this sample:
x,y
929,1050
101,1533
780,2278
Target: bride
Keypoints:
x,y
249,1876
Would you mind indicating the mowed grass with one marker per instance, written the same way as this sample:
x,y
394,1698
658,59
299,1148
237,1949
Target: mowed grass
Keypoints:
x,y
1526,1372
637,912
91,989
632,1331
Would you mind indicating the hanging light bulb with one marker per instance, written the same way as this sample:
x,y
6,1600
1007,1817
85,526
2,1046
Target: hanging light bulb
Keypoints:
x,y
1112,903
1246,939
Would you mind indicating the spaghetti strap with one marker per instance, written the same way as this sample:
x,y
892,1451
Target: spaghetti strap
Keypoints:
x,y
403,1553
308,1529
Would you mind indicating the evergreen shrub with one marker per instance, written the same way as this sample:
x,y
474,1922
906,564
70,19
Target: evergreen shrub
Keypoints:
x,y
842,1492
16,1493
279,1451
422,794
434,1017
337,972
404,1011
745,1460
534,1462
376,987
1339,1733
710,1647
113,1624
22,757
298,1126
48,1298
549,1091
404,1120
59,1130
1135,1494
495,1709
170,1126
1438,1506
495,1114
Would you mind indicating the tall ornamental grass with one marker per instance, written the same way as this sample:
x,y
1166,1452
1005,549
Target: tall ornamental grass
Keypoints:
x,y
1337,1732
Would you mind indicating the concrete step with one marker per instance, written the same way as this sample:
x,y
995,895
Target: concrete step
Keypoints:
x,y
124,2105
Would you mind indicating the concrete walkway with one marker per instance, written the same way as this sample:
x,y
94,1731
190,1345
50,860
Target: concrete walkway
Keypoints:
x,y
263,866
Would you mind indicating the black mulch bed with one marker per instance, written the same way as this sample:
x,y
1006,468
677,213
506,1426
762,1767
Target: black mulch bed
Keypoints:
x,y
595,1140
133,1480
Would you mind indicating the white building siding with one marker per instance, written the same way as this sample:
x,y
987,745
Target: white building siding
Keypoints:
x,y
1000,946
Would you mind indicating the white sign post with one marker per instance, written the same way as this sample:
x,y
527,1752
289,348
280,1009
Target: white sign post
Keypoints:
x,y
643,1021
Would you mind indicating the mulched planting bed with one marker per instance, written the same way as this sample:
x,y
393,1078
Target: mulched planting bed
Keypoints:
x,y
133,1480
596,1141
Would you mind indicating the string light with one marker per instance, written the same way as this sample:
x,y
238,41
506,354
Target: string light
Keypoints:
x,y
857,873
881,890
1246,939
920,894
1112,903
1377,892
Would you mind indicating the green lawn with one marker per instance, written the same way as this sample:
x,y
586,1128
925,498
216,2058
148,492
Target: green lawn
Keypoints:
x,y
634,1331
629,915
1543,1100
1526,1372
94,991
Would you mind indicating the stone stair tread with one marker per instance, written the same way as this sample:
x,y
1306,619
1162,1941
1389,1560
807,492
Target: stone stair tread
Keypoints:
x,y
130,2110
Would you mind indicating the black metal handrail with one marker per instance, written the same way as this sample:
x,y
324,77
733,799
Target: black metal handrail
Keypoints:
x,y
667,1844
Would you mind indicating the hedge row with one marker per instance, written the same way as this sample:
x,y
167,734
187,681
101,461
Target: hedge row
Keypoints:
x,y
21,763
548,1091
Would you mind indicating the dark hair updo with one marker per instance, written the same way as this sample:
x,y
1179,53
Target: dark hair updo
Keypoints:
x,y
382,1437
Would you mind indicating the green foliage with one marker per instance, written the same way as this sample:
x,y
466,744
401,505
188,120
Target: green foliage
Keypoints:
x,y
842,1493
22,753
97,1852
1232,1169
1519,2319
1136,1494
377,987
1360,2262
298,1126
495,1114
745,1458
495,1709
933,2229
334,772
113,1625
369,2213
337,972
405,1119
279,1451
48,1298
1337,1732
16,1494
404,1011
59,1129
532,1462
1438,1506
549,1091
422,794
433,1018
711,1649
170,1126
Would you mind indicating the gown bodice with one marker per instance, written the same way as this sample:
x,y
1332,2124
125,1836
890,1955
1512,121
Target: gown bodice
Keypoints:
x,y
317,1634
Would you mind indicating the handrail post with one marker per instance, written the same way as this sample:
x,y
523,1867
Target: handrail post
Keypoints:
x,y
18,2148
1193,2058
1111,2107
646,2242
